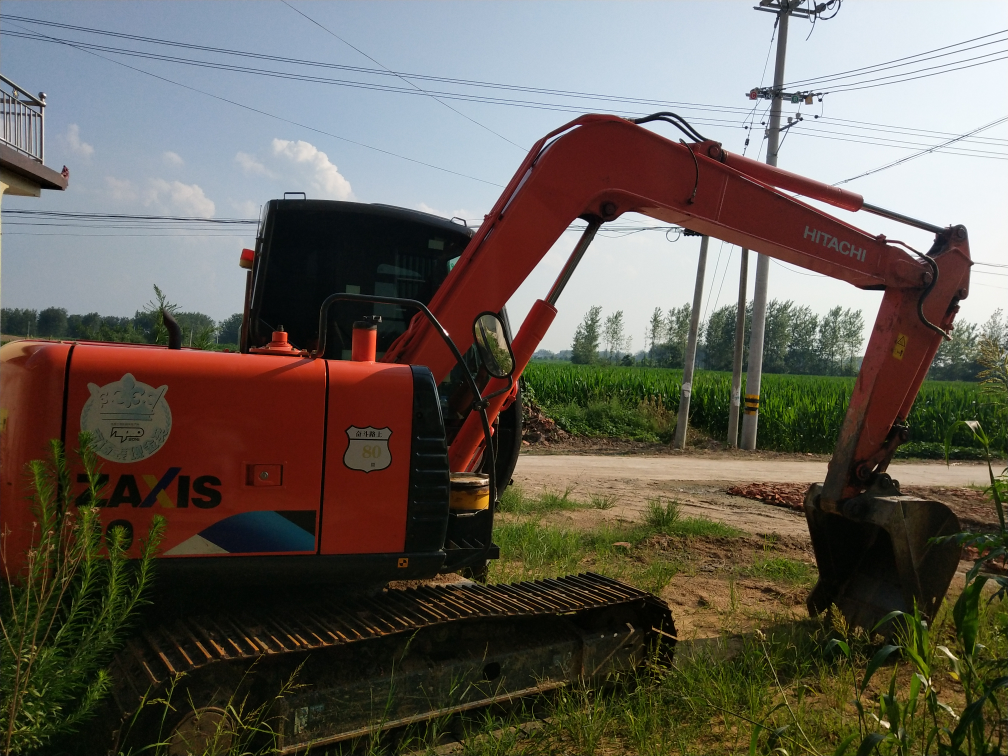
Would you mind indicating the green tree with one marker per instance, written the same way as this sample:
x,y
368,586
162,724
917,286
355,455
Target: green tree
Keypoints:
x,y
830,340
995,329
958,358
719,339
18,322
52,322
228,329
777,336
613,335
196,327
584,349
851,336
803,349
655,334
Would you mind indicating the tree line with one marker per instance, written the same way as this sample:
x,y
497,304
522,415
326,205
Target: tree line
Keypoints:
x,y
796,340
144,327
960,358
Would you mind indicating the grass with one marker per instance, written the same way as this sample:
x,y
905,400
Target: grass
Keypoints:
x,y
781,570
601,501
797,413
781,690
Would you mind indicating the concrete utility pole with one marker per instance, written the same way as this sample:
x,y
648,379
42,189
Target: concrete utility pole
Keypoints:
x,y
736,377
690,356
783,8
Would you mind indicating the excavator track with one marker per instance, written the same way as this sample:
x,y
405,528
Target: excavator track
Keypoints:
x,y
372,663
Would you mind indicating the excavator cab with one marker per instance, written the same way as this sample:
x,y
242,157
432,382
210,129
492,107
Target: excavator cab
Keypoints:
x,y
307,250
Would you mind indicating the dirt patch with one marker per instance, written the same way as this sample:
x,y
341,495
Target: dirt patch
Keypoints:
x,y
719,585
539,428
973,508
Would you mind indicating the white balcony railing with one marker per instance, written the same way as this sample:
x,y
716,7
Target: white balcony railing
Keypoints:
x,y
23,119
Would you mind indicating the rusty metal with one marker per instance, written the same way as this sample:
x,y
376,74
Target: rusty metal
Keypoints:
x,y
587,624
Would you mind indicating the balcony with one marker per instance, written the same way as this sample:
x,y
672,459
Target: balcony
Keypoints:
x,y
22,143
23,119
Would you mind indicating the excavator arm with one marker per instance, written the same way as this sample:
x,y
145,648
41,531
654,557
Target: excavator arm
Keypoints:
x,y
598,167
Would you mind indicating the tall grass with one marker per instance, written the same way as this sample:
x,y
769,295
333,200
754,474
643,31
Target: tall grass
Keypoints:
x,y
67,611
797,413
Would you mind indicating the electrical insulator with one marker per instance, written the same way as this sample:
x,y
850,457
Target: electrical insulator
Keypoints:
x,y
809,99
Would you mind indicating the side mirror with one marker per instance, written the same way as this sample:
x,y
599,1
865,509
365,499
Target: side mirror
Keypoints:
x,y
492,345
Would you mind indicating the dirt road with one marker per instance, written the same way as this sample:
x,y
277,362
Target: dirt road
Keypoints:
x,y
699,483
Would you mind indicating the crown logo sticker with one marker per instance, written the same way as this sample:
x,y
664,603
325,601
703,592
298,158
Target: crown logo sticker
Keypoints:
x,y
128,420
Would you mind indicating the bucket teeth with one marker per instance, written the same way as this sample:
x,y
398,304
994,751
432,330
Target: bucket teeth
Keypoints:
x,y
876,554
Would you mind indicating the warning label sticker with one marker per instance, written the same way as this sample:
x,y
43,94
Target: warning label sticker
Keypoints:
x,y
900,347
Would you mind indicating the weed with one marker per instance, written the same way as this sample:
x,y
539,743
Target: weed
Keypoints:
x,y
662,515
665,516
602,501
655,576
781,570
515,501
68,610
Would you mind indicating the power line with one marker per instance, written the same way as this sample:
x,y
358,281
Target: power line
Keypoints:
x,y
400,76
650,102
123,216
336,66
889,64
415,91
922,152
279,118
866,84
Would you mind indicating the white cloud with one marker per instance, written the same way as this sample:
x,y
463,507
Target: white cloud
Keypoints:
x,y
73,141
176,197
252,166
172,197
172,158
246,209
121,190
321,178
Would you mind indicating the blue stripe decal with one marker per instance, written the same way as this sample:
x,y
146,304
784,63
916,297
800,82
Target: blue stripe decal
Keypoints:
x,y
264,531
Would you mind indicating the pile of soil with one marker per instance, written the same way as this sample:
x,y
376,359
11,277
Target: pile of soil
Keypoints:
x,y
973,508
790,495
538,428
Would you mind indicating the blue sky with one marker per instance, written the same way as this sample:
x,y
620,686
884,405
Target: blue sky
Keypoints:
x,y
138,144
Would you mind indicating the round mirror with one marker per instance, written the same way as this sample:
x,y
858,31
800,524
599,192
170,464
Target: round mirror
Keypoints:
x,y
492,344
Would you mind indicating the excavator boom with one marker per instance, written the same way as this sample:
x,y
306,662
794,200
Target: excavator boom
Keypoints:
x,y
599,167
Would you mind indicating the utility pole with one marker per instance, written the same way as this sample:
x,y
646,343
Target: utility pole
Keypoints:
x,y
783,9
736,378
690,356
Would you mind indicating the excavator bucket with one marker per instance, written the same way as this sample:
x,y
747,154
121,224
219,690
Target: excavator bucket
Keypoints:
x,y
876,553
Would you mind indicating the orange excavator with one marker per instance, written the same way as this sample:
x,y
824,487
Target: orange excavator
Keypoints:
x,y
363,432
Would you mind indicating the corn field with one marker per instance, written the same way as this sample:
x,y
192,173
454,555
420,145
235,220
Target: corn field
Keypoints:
x,y
797,413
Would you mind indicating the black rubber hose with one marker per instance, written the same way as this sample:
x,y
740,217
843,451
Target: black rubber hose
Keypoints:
x,y
174,331
676,120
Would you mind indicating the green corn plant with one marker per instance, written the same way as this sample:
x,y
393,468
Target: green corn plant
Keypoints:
x,y
67,611
797,413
